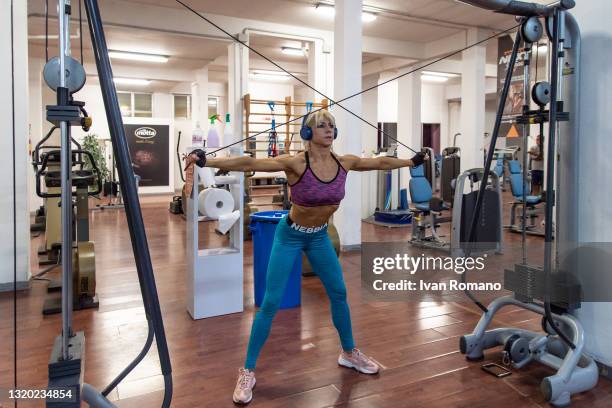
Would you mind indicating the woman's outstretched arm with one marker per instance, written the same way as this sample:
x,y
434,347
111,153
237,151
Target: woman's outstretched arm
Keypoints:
x,y
246,163
356,163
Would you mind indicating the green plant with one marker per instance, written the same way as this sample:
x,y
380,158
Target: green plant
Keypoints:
x,y
90,143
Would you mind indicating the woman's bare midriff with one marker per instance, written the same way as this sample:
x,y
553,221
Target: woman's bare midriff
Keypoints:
x,y
312,216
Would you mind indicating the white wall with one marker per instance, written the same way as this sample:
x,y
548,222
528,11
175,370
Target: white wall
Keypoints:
x,y
273,91
387,98
594,161
162,106
14,160
369,143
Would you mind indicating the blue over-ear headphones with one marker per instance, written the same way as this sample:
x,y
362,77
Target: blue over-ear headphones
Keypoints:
x,y
306,132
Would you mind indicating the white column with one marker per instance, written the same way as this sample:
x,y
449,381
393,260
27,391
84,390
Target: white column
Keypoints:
x,y
237,85
199,99
319,61
589,191
347,81
472,103
36,121
369,144
14,156
409,127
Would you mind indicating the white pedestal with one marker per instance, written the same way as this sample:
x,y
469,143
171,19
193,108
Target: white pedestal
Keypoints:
x,y
214,277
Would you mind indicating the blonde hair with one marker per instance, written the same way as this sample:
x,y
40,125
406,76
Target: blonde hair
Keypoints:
x,y
316,116
312,120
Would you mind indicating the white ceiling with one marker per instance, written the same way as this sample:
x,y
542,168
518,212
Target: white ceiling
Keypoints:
x,y
408,20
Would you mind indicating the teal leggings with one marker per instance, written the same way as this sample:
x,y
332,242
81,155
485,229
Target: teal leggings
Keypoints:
x,y
289,244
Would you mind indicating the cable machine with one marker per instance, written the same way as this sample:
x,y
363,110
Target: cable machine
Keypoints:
x,y
66,364
547,290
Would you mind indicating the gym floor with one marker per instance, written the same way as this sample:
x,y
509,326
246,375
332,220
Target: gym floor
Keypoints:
x,y
417,343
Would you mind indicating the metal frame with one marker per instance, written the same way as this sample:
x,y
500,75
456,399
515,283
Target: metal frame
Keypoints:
x,y
431,219
562,346
67,360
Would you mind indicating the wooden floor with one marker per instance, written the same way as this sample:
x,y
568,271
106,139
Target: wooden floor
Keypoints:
x,y
416,343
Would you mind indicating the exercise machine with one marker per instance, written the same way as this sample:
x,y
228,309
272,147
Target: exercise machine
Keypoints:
x,y
67,360
430,168
384,212
86,183
553,291
427,214
450,169
532,209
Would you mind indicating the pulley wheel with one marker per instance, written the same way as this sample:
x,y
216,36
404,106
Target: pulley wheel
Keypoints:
x,y
75,74
540,93
532,30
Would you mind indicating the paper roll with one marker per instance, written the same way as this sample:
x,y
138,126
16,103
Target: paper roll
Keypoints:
x,y
227,221
207,176
214,202
226,180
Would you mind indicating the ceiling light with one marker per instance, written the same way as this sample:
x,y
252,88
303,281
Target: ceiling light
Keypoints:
x,y
433,78
292,51
439,74
325,9
131,81
137,56
367,17
268,77
330,11
272,73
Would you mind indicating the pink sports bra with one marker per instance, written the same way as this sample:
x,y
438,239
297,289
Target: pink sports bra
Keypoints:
x,y
311,191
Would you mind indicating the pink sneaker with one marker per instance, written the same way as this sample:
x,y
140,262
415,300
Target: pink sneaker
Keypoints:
x,y
243,393
359,361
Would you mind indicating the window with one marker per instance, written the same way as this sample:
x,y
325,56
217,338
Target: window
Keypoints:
x,y
213,105
135,104
125,103
182,106
143,105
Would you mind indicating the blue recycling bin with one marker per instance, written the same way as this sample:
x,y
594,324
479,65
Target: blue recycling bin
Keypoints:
x,y
262,227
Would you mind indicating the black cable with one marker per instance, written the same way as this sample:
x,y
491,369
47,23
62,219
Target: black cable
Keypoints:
x,y
46,30
321,93
178,157
363,91
487,168
14,205
537,58
81,33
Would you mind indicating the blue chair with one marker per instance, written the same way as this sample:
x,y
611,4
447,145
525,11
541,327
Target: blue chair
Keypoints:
x,y
420,189
499,168
516,180
425,210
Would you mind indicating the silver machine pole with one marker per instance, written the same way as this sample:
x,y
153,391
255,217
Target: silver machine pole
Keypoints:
x,y
66,184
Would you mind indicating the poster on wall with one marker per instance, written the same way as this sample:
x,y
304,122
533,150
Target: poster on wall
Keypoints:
x,y
514,102
149,145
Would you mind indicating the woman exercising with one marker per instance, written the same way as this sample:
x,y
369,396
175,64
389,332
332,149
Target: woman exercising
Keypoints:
x,y
316,178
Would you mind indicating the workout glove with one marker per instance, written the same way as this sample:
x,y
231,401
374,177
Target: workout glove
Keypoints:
x,y
418,159
198,156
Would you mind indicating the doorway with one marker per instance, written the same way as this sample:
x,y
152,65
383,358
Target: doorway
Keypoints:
x,y
431,136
